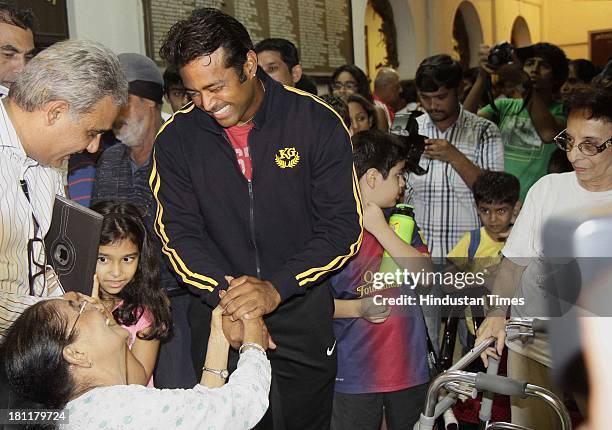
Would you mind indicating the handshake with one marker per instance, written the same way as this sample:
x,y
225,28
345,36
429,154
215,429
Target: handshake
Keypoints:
x,y
239,315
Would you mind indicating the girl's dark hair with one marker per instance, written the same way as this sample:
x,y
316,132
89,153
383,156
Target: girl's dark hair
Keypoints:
x,y
32,355
496,187
363,83
376,149
366,105
205,31
123,221
339,105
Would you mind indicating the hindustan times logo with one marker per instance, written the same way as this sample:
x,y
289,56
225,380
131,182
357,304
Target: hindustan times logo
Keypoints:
x,y
459,280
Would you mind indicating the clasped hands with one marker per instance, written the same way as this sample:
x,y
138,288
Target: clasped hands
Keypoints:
x,y
247,298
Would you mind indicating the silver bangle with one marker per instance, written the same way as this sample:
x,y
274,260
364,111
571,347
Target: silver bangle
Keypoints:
x,y
251,345
221,373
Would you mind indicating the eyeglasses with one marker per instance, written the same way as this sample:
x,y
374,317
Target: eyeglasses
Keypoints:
x,y
81,309
32,262
349,85
563,141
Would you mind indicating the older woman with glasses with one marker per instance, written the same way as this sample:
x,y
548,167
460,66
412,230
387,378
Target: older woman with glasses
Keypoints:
x,y
350,79
72,354
587,141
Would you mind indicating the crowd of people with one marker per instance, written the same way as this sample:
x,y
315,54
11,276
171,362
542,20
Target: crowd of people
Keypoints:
x,y
242,234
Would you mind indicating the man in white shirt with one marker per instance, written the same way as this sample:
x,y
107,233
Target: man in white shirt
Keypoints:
x,y
16,42
61,103
587,141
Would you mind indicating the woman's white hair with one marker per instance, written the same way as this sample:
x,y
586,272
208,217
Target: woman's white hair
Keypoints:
x,y
79,72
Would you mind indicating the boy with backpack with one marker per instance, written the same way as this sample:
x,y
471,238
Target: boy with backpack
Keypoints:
x,y
496,195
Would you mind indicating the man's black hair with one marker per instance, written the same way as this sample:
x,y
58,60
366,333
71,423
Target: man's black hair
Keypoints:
x,y
595,100
408,93
585,70
496,187
553,55
363,83
437,72
205,31
376,149
171,78
284,47
339,106
308,84
13,15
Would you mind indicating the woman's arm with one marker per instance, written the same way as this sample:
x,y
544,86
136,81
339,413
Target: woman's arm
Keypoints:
x,y
136,373
145,351
216,353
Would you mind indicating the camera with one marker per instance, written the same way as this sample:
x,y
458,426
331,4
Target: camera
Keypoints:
x,y
500,54
406,128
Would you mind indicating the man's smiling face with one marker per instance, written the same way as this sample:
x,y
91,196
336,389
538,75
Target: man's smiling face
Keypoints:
x,y
217,90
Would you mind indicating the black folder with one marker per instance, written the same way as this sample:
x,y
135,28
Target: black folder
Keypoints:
x,y
72,244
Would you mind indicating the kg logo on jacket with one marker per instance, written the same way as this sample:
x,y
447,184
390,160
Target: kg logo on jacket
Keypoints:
x,y
287,158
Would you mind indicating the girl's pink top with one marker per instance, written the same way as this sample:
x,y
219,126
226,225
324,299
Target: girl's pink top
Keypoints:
x,y
145,321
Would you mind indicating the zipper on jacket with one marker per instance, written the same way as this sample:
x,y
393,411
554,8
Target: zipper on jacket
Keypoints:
x,y
252,220
251,203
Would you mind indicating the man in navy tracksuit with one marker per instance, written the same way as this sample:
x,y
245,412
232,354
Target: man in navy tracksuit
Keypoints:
x,y
255,181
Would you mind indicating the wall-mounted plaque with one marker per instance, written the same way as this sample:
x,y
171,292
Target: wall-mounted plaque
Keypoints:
x,y
321,29
51,21
600,46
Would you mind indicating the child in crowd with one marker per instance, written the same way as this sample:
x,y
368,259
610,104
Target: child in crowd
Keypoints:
x,y
383,364
496,195
128,281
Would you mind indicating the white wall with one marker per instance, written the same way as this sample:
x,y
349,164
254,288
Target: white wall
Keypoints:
x,y
406,45
408,15
358,8
117,24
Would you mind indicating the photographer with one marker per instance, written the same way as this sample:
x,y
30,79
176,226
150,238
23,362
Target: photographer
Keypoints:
x,y
458,145
527,125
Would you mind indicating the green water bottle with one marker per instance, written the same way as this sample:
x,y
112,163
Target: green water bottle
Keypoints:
x,y
402,223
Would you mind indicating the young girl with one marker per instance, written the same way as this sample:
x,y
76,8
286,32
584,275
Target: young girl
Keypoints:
x,y
128,276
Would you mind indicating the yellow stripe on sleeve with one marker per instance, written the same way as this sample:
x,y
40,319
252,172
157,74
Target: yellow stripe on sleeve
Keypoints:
x,y
315,273
177,263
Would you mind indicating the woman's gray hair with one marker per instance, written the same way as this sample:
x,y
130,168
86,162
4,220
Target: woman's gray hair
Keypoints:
x,y
78,72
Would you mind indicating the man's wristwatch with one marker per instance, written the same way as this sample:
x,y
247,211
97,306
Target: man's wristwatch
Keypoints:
x,y
221,373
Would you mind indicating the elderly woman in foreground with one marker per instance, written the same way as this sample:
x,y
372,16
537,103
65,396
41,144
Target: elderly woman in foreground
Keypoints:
x,y
72,354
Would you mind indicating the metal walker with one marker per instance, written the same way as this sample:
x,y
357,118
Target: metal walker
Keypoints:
x,y
458,382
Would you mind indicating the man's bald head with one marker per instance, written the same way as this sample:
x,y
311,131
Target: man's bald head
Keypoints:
x,y
385,76
386,85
